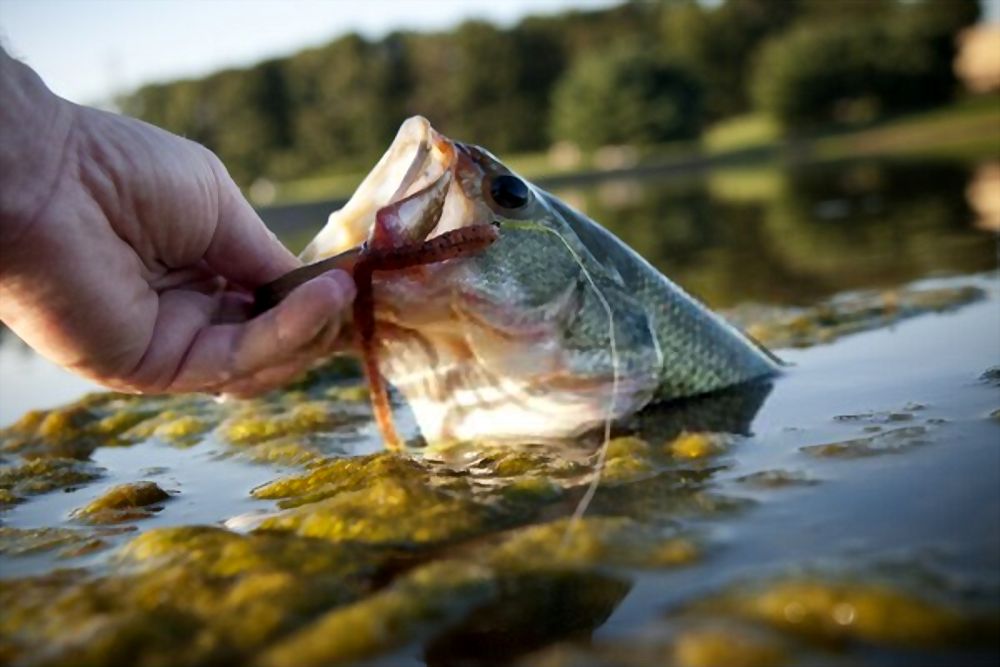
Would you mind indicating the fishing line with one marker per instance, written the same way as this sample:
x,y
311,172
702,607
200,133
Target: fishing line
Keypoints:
x,y
602,454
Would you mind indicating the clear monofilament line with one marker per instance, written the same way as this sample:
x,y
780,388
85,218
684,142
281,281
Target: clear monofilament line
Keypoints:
x,y
602,453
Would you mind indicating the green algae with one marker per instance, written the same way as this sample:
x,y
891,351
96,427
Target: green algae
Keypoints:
x,y
183,429
520,462
298,451
396,511
709,646
829,611
36,476
7,497
847,314
76,430
251,427
415,605
531,608
627,459
590,542
318,403
796,618
885,442
338,476
776,479
353,393
181,596
125,502
70,542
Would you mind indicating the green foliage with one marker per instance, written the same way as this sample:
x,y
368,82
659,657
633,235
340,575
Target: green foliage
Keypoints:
x,y
331,110
718,44
625,97
850,70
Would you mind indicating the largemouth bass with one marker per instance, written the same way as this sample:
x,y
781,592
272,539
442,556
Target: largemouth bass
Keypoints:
x,y
547,327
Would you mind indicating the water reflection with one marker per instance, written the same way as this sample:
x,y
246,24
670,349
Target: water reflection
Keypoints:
x,y
796,235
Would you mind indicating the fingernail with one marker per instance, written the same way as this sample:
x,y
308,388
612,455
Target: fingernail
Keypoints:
x,y
344,282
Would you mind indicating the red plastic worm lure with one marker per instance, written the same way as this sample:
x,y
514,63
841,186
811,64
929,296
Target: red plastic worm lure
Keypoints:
x,y
454,244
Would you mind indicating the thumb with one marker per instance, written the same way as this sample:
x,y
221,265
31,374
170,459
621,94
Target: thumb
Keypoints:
x,y
243,249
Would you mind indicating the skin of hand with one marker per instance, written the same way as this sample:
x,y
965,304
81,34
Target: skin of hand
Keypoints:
x,y
128,255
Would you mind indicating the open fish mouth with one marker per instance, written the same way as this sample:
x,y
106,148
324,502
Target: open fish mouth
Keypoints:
x,y
421,165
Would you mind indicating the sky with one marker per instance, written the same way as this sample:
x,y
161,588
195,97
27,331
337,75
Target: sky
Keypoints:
x,y
88,50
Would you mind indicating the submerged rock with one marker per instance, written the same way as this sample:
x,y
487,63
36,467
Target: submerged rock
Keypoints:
x,y
70,542
125,502
829,611
847,314
776,479
37,476
387,511
798,619
885,442
415,605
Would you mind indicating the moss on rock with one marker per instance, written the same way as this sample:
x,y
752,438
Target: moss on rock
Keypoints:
x,y
36,476
125,502
422,601
387,511
832,611
340,475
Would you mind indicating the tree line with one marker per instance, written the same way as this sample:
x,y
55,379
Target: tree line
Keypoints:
x,y
643,72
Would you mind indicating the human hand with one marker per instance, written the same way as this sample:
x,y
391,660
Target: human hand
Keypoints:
x,y
128,255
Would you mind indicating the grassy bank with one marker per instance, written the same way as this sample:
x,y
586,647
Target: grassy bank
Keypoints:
x,y
967,129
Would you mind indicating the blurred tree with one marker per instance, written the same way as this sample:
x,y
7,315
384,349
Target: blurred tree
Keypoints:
x,y
718,44
248,113
486,85
641,71
625,97
483,89
849,71
347,100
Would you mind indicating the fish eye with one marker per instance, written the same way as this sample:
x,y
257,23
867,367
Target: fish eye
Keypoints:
x,y
508,191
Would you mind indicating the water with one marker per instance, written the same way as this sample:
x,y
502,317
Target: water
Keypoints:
x,y
919,508
941,498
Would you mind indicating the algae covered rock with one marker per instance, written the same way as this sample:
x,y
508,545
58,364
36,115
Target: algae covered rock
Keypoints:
x,y
387,511
340,475
36,476
125,502
69,541
847,314
422,601
884,442
181,596
253,426
592,542
697,445
832,611
776,479
76,430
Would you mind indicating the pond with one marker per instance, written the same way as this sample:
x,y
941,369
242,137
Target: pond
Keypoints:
x,y
847,512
